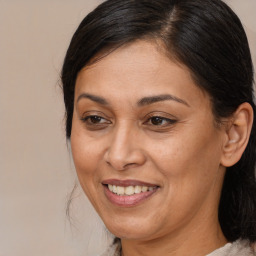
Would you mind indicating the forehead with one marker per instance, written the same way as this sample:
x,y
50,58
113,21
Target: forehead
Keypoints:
x,y
136,69
139,54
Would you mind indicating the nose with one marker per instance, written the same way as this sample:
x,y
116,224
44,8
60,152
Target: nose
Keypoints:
x,y
124,150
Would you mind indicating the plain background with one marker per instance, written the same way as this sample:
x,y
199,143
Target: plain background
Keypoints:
x,y
36,171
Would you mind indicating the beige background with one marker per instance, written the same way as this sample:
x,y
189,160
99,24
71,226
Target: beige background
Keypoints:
x,y
36,172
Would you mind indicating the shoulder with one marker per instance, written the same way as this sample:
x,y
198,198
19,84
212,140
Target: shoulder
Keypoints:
x,y
237,248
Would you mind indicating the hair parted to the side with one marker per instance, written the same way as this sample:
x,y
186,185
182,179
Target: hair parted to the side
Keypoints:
x,y
206,36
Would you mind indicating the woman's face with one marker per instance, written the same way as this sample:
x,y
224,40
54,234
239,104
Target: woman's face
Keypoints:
x,y
145,146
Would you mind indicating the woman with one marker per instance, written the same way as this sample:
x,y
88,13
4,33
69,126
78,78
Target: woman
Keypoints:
x,y
159,111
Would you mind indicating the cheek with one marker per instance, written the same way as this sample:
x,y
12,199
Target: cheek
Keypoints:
x,y
190,167
86,154
82,156
85,149
189,157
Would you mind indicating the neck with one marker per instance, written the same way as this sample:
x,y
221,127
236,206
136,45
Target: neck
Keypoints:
x,y
198,240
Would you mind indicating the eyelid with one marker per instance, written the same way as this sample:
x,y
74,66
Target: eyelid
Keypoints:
x,y
161,114
169,121
90,116
94,113
87,120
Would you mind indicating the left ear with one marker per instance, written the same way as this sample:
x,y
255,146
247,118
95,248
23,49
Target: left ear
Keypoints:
x,y
237,134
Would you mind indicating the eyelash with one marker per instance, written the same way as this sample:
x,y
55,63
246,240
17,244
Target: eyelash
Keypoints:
x,y
154,121
158,119
88,120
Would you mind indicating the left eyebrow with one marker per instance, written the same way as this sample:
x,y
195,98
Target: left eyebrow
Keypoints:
x,y
92,97
157,98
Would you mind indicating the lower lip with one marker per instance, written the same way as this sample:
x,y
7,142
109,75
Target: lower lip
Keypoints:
x,y
127,201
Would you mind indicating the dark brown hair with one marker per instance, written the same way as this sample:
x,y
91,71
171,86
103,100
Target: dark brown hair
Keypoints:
x,y
206,36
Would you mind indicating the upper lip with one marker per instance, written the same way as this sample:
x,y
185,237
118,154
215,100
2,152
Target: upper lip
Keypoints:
x,y
126,183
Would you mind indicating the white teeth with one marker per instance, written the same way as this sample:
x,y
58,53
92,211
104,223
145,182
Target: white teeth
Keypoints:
x,y
137,189
128,191
144,189
120,190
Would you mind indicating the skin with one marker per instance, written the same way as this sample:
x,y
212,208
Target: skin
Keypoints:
x,y
182,157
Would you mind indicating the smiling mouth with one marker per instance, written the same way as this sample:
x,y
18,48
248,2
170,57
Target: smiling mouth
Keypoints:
x,y
129,190
127,193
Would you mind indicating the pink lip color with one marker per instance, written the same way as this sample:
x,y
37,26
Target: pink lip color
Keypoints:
x,y
127,201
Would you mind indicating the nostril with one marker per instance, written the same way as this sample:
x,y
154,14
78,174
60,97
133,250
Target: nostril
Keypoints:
x,y
129,165
124,156
121,167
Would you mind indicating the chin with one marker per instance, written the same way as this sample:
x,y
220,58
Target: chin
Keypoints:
x,y
130,234
131,229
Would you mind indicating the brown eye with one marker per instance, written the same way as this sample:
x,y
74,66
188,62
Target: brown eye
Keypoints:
x,y
95,120
160,121
157,120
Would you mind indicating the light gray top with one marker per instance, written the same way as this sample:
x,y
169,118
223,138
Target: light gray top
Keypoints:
x,y
237,248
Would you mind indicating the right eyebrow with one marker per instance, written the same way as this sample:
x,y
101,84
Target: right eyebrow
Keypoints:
x,y
157,98
92,97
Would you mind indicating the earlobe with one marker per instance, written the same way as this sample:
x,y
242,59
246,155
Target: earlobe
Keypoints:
x,y
237,135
